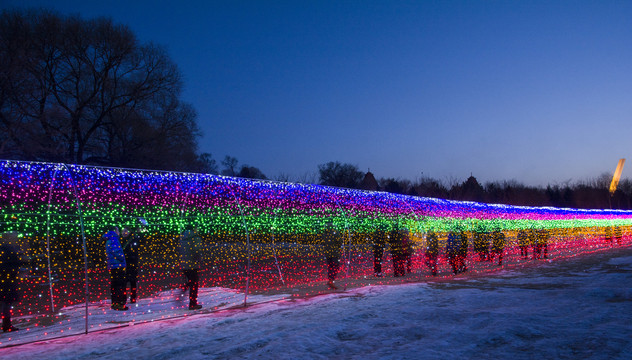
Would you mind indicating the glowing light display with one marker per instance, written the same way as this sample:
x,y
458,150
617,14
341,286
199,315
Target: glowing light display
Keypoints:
x,y
616,177
258,237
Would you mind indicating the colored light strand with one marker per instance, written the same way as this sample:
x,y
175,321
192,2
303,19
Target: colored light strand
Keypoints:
x,y
258,234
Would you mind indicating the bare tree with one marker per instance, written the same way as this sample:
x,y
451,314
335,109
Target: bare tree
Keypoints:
x,y
430,187
337,174
396,186
306,178
86,91
282,177
251,172
230,166
207,165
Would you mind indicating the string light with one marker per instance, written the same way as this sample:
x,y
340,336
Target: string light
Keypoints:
x,y
259,235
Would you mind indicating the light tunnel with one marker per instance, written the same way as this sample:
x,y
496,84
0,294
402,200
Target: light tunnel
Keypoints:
x,y
260,239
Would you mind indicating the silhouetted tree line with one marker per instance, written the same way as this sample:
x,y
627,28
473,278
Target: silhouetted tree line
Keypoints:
x,y
591,194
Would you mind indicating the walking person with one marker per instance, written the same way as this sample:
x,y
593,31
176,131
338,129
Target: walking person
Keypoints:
x,y
432,251
618,234
462,254
190,261
379,243
395,240
408,251
533,240
131,245
116,266
523,243
10,264
609,236
332,242
498,245
481,242
542,244
452,250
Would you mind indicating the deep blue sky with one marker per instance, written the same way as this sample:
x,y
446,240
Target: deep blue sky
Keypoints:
x,y
536,91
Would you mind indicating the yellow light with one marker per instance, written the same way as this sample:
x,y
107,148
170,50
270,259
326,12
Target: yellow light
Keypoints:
x,y
617,175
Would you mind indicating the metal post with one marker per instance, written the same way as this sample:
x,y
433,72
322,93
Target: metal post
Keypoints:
x,y
276,261
348,243
83,236
243,219
50,280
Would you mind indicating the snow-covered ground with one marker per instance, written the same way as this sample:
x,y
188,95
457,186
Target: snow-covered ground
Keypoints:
x,y
574,308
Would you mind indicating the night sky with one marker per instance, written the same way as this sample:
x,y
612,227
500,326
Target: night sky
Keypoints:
x,y
536,91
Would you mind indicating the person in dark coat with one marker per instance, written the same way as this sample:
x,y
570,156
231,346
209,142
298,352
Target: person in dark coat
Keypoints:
x,y
379,243
618,234
533,240
452,248
116,266
523,242
396,241
541,246
332,242
190,260
408,250
462,255
481,242
432,251
131,244
10,264
609,236
498,245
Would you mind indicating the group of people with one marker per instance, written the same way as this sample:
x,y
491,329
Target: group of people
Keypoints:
x,y
616,231
538,239
122,250
489,245
456,251
401,247
397,238
482,241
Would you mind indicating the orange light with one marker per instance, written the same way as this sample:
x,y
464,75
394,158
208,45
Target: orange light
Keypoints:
x,y
617,175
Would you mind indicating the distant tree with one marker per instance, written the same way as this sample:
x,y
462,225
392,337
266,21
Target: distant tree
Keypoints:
x,y
625,185
306,178
513,193
88,92
587,197
341,175
622,198
560,196
368,182
283,177
251,172
619,200
470,190
230,166
602,181
495,192
430,187
207,164
395,186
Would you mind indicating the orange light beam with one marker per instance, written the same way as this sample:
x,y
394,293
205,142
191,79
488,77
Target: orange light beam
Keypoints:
x,y
617,175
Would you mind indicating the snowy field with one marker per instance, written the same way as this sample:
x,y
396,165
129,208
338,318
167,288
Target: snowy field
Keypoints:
x,y
575,308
